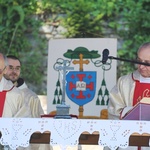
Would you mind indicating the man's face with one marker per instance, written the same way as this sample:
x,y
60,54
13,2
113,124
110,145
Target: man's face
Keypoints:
x,y
144,56
13,70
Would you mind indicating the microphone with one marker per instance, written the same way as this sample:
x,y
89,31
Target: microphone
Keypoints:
x,y
105,56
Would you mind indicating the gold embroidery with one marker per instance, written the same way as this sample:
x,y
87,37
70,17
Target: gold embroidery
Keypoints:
x,y
146,93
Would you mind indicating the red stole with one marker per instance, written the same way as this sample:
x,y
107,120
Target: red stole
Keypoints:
x,y
2,100
141,90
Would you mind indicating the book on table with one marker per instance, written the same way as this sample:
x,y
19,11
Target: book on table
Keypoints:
x,y
141,111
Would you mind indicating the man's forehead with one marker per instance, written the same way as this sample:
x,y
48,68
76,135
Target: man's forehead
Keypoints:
x,y
13,62
14,66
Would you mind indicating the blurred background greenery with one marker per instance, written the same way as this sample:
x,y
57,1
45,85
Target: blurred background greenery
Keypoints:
x,y
22,34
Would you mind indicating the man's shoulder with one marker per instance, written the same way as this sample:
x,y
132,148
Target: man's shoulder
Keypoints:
x,y
125,80
126,77
29,92
130,75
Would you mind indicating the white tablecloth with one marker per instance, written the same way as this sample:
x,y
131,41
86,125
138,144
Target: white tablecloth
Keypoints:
x,y
66,132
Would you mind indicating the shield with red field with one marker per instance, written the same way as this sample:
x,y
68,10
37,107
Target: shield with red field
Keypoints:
x,y
81,86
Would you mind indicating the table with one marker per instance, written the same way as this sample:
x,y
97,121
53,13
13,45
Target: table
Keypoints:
x,y
64,132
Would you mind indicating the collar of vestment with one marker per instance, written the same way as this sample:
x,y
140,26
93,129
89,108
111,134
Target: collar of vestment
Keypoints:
x,y
137,76
20,82
144,80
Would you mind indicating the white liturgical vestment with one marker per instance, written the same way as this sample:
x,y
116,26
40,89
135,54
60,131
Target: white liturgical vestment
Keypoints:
x,y
32,102
121,95
13,101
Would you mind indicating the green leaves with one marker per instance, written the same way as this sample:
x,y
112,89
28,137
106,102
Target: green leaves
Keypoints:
x,y
20,36
14,11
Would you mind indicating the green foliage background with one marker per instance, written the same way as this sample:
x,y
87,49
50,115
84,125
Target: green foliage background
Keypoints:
x,y
20,36
126,20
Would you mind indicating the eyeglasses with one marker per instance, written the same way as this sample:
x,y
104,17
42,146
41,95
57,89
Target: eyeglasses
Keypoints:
x,y
14,69
1,70
143,61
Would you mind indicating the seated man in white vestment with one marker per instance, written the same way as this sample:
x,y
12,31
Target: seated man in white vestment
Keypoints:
x,y
11,98
32,101
131,88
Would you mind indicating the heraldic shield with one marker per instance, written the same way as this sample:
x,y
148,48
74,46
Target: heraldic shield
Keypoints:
x,y
81,86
